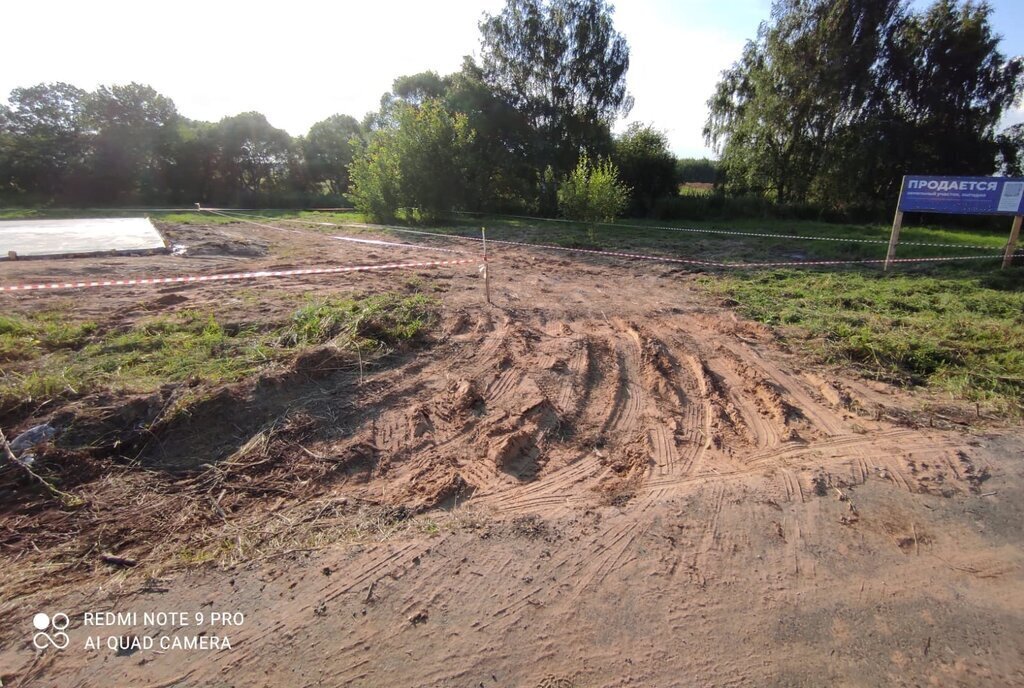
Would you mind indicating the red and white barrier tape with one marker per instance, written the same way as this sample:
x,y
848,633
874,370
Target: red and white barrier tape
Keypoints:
x,y
257,274
663,259
727,232
245,218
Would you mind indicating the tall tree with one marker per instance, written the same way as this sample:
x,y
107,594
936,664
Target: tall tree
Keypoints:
x,y
132,132
1011,150
948,83
253,157
44,142
562,64
328,152
836,98
808,75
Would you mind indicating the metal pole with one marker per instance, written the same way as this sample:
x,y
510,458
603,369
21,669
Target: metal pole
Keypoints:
x,y
487,273
897,224
1011,245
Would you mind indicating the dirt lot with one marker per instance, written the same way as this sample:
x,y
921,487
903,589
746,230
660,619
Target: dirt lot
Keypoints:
x,y
603,479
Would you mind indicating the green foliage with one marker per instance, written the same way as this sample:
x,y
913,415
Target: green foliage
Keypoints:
x,y
960,333
836,98
562,64
381,321
253,156
41,141
131,144
329,150
646,165
421,162
550,83
592,192
696,170
1011,151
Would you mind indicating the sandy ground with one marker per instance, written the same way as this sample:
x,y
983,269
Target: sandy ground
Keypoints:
x,y
53,237
616,483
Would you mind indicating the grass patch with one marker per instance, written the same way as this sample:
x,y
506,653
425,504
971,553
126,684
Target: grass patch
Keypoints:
x,y
382,321
22,339
45,356
950,329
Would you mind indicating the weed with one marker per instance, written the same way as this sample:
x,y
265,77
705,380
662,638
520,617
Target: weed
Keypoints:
x,y
381,321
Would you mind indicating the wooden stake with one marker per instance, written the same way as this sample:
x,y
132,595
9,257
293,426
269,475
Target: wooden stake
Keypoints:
x,y
487,273
897,224
1011,246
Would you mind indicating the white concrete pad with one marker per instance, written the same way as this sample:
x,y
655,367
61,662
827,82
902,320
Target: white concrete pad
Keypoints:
x,y
57,237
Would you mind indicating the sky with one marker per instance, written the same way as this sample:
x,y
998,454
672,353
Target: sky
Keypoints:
x,y
301,61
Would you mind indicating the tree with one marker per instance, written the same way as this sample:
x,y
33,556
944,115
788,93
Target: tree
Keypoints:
x,y
592,192
1011,151
808,75
132,135
948,85
418,163
328,152
836,97
696,170
253,157
499,153
44,142
192,175
646,165
563,66
416,89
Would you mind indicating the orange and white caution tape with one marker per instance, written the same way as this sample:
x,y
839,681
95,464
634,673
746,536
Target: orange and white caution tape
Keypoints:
x,y
256,274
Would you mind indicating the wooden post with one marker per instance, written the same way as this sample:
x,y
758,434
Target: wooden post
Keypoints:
x,y
1011,246
487,273
897,224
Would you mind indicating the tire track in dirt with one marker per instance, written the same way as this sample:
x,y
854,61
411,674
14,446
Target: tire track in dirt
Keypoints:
x,y
793,389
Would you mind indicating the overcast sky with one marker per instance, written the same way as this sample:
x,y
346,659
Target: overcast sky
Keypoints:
x,y
300,61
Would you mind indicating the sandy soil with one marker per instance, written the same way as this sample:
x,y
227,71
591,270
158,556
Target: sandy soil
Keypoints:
x,y
602,479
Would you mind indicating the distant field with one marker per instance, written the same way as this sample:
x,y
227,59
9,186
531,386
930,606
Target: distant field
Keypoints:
x,y
696,188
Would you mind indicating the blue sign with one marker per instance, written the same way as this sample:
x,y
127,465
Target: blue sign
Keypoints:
x,y
963,195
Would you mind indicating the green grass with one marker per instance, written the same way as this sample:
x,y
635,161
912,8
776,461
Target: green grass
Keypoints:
x,y
43,356
188,217
382,321
46,331
657,238
950,329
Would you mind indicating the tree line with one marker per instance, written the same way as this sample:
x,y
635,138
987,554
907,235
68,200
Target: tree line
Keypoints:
x,y
830,104
128,144
836,99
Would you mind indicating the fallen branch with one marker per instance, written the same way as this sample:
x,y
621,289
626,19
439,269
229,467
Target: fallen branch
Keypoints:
x,y
118,561
66,498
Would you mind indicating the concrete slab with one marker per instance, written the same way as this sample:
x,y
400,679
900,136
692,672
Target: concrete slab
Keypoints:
x,y
74,237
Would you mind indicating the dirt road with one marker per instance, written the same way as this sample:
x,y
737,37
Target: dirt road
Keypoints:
x,y
602,479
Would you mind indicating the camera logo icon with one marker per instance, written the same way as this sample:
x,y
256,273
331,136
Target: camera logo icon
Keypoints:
x,y
50,631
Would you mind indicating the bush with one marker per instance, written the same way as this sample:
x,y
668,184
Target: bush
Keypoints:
x,y
421,162
592,192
